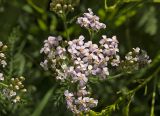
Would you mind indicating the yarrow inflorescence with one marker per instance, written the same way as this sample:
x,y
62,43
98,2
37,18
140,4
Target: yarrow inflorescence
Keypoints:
x,y
75,61
11,88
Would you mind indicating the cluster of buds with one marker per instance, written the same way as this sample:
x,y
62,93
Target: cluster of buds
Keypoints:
x,y
62,6
14,89
135,60
3,62
90,21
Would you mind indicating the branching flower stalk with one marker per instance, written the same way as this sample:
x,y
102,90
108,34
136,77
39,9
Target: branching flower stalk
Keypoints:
x,y
153,96
66,26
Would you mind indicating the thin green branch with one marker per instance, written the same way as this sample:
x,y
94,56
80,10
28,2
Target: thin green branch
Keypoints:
x,y
93,80
115,77
2,84
145,82
64,18
130,93
153,97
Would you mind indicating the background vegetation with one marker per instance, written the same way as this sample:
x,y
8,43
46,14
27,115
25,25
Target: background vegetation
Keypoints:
x,y
24,24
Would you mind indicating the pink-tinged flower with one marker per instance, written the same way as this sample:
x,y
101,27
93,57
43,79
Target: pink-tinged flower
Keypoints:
x,y
89,20
136,50
82,92
44,64
68,95
115,61
82,79
92,103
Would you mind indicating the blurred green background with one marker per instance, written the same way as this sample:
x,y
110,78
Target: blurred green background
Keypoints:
x,y
25,24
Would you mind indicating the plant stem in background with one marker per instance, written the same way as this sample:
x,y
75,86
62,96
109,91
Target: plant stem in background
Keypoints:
x,y
115,77
2,84
91,34
64,18
130,93
11,55
128,37
153,97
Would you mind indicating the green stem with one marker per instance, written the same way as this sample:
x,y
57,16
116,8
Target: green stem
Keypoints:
x,y
128,37
90,34
115,77
153,97
145,82
65,26
131,92
4,85
93,80
105,3
11,59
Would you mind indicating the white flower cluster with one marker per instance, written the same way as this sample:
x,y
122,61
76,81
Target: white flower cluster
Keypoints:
x,y
90,21
91,59
135,60
53,51
11,95
138,56
76,62
15,86
81,104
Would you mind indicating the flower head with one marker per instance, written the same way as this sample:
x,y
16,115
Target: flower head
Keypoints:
x,y
91,21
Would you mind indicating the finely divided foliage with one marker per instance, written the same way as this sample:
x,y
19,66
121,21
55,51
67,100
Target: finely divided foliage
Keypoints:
x,y
75,61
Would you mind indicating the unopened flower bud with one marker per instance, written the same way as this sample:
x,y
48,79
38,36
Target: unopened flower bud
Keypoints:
x,y
24,90
17,99
11,86
22,78
72,9
21,86
60,11
16,80
4,48
131,61
19,83
65,7
16,87
12,79
58,6
70,6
